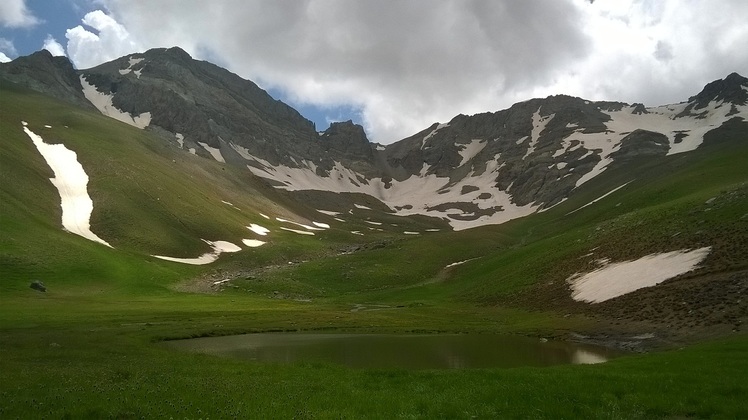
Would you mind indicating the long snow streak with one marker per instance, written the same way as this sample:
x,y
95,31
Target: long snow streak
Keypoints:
x,y
71,182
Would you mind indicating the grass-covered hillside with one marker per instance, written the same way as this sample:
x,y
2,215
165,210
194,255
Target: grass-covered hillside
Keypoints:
x,y
90,346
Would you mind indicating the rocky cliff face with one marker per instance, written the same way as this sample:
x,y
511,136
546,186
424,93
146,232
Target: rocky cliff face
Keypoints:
x,y
44,73
492,167
209,106
473,170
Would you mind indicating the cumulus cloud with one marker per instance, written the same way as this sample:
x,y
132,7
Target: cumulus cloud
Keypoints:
x,y
405,65
15,14
658,52
109,41
7,47
54,47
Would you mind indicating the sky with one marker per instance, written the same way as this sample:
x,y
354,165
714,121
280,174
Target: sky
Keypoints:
x,y
398,66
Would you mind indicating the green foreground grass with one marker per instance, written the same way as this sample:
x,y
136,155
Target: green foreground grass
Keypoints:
x,y
75,357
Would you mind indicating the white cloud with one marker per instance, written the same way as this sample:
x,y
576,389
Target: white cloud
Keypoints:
x,y
404,64
408,64
15,14
54,47
4,58
658,52
111,40
7,47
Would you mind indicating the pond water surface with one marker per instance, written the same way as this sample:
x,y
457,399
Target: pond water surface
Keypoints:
x,y
407,351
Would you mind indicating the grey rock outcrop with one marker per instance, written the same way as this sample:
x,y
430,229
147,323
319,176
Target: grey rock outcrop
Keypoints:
x,y
38,285
44,73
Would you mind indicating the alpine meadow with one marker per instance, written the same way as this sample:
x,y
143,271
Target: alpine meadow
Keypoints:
x,y
156,198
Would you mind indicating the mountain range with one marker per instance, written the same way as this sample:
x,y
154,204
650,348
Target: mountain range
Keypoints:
x,y
201,162
470,171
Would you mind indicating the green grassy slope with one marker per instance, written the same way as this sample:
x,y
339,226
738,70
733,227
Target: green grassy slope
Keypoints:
x,y
149,198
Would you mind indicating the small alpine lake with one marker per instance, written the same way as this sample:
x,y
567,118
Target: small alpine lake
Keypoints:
x,y
405,351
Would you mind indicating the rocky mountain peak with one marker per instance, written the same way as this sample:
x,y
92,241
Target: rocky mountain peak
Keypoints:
x,y
347,141
732,89
347,131
42,72
210,106
177,53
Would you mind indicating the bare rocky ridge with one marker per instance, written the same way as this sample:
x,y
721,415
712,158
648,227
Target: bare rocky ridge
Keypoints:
x,y
473,170
44,73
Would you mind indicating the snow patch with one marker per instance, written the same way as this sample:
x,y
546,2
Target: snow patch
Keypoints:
x,y
538,125
432,133
329,213
219,247
252,243
468,151
419,194
599,198
180,140
300,232
216,153
613,280
132,62
459,263
260,230
321,225
103,103
663,119
71,182
307,227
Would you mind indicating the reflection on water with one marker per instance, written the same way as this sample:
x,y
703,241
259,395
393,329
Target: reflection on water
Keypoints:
x,y
586,357
442,351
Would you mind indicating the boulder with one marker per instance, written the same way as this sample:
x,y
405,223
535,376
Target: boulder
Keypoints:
x,y
38,285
